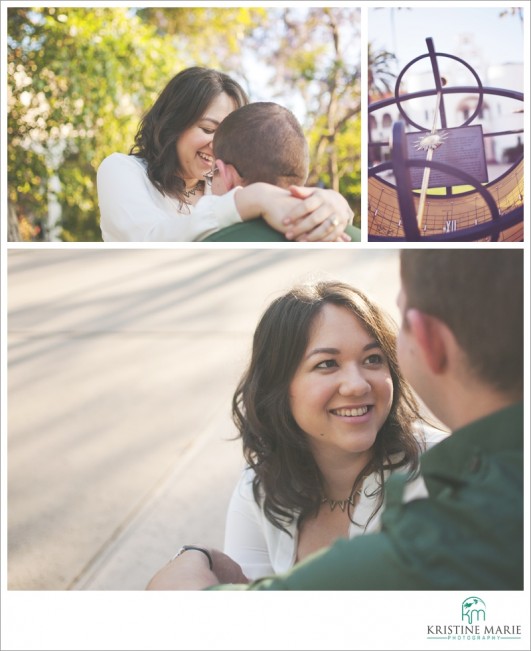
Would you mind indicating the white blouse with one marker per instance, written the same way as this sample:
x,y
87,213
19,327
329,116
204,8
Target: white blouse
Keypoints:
x,y
262,549
133,210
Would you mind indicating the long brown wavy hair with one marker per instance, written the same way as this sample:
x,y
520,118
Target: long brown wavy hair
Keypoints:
x,y
179,106
288,482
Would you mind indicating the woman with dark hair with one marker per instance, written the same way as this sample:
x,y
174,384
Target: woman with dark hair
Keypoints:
x,y
159,191
325,416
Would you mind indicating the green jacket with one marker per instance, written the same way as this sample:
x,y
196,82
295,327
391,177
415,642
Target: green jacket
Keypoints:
x,y
257,230
467,534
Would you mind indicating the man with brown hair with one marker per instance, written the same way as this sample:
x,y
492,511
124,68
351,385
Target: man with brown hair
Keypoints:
x,y
476,296
261,142
459,524
265,142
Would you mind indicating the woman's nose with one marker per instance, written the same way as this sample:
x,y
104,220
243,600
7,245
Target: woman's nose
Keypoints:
x,y
354,382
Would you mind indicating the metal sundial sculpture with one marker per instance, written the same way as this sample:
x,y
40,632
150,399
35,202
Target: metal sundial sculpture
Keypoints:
x,y
433,141
406,210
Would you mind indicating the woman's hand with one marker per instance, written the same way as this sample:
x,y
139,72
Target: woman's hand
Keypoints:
x,y
302,214
322,216
267,201
225,569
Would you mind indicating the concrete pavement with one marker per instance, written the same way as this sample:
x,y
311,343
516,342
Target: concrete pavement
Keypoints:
x,y
121,368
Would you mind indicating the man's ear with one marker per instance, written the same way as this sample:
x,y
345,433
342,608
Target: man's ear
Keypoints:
x,y
431,335
229,175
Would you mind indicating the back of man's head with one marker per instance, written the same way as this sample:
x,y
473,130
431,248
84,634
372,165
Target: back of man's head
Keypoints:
x,y
478,294
265,143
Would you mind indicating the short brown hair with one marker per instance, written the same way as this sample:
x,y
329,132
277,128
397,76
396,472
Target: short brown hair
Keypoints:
x,y
264,141
287,479
478,294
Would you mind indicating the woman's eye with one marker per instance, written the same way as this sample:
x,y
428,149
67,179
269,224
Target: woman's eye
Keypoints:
x,y
207,131
327,363
375,359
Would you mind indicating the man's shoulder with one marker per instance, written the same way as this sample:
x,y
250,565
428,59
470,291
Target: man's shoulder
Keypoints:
x,y
254,230
258,230
354,232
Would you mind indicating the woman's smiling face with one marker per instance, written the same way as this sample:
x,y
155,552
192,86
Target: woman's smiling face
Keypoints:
x,y
342,391
194,146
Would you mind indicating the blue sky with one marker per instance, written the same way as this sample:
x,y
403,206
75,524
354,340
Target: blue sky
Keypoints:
x,y
500,39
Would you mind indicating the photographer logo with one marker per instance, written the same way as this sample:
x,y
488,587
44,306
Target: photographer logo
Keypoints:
x,y
473,610
473,626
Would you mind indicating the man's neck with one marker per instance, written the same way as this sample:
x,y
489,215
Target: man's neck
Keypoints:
x,y
474,405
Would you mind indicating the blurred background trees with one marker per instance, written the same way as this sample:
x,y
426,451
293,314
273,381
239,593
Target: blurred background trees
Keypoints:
x,y
79,80
381,75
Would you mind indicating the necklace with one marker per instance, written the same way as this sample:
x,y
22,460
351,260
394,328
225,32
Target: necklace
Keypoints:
x,y
193,190
341,503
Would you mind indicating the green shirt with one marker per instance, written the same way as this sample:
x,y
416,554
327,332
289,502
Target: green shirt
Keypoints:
x,y
467,534
258,230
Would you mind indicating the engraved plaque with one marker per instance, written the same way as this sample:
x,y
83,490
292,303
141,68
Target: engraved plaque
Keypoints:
x,y
462,147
